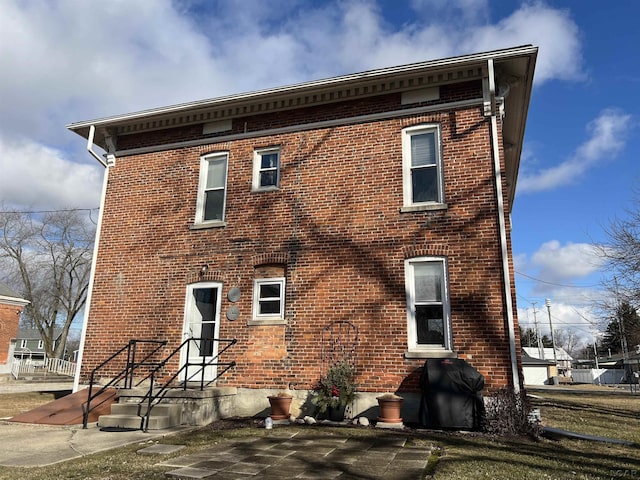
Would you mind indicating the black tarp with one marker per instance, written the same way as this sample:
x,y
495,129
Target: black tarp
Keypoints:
x,y
451,395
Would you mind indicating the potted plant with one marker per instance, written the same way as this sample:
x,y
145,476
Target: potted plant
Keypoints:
x,y
390,406
335,391
280,405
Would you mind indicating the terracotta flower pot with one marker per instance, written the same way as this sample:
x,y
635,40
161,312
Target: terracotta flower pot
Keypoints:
x,y
390,406
280,406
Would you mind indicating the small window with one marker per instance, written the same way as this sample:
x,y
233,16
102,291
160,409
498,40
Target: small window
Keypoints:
x,y
23,343
268,298
427,304
40,344
212,188
422,165
266,169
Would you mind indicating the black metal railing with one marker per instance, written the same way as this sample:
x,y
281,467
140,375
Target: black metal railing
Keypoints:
x,y
155,371
151,398
125,375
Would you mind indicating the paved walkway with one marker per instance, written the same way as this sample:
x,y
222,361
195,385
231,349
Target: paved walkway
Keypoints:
x,y
306,454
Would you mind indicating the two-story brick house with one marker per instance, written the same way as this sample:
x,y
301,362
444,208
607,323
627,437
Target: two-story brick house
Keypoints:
x,y
380,198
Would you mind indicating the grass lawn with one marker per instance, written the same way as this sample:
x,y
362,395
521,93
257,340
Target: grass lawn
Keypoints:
x,y
456,455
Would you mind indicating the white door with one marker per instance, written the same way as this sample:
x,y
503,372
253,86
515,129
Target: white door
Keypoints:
x,y
202,323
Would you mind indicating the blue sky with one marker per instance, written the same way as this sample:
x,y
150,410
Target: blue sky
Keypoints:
x,y
65,61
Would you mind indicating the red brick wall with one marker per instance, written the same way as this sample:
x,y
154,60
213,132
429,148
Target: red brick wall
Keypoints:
x,y
336,219
9,318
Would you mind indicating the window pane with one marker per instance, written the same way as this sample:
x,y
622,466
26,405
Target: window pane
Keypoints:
x,y
423,149
270,290
206,303
216,173
269,160
206,345
424,184
268,307
428,278
213,205
430,324
269,178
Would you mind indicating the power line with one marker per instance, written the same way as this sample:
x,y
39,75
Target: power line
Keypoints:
x,y
555,284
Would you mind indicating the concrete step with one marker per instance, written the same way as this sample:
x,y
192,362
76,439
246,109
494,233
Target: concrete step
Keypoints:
x,y
171,410
132,422
130,415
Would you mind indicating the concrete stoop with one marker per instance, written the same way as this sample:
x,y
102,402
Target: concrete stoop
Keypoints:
x,y
178,407
131,416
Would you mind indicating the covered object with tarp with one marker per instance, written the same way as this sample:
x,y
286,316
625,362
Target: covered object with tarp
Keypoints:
x,y
451,395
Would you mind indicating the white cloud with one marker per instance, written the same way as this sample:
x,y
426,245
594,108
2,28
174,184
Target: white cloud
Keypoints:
x,y
66,61
608,133
558,263
40,177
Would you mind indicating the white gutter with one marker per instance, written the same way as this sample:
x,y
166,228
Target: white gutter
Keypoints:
x,y
503,230
105,180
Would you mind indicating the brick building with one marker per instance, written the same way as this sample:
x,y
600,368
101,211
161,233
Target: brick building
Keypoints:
x,y
381,199
11,306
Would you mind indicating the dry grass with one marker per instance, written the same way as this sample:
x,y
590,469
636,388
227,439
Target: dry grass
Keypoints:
x,y
12,404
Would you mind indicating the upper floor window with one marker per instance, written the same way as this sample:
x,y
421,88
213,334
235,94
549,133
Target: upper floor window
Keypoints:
x,y
422,165
266,169
212,188
428,319
40,344
23,343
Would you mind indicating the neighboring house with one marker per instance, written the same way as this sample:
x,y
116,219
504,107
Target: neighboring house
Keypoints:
x,y
562,359
29,345
381,198
537,371
11,306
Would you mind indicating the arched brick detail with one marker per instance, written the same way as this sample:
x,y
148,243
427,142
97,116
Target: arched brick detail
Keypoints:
x,y
270,258
425,251
210,276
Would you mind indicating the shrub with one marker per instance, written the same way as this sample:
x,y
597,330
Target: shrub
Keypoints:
x,y
337,388
508,414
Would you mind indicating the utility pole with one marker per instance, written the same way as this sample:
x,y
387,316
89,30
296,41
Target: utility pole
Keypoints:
x,y
547,303
539,340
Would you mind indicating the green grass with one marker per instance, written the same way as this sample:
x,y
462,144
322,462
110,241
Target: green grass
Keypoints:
x,y
455,456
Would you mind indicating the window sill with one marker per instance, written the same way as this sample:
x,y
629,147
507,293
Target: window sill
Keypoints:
x,y
424,208
265,189
266,321
204,225
430,354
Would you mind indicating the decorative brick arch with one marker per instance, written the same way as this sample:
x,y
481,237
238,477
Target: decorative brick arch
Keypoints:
x,y
426,251
208,276
273,258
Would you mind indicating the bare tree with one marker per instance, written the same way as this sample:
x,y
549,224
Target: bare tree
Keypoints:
x,y
48,258
568,340
621,253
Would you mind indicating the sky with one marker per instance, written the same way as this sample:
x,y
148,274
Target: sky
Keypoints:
x,y
65,61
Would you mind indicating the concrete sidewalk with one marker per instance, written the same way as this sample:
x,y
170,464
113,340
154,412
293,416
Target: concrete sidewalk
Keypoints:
x,y
29,445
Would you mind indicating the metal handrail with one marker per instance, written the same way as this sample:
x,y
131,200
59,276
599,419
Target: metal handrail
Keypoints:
x,y
150,397
126,373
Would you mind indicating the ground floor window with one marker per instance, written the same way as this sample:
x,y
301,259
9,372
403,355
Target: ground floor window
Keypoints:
x,y
268,298
428,322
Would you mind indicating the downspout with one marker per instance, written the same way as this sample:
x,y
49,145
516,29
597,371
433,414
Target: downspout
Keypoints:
x,y
106,164
495,146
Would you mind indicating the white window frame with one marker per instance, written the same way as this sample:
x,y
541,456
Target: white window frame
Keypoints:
x,y
256,298
202,187
412,334
40,344
407,169
258,170
23,343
